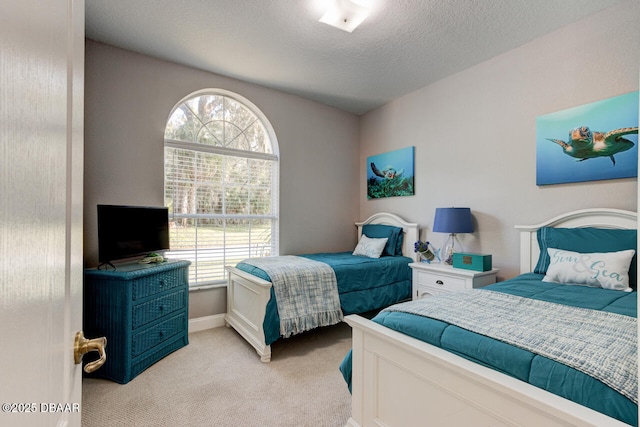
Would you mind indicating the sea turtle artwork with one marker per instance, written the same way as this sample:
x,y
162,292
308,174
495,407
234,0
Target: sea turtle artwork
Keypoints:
x,y
584,144
388,172
393,180
388,182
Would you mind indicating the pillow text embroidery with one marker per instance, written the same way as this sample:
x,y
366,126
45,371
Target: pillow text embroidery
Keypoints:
x,y
582,263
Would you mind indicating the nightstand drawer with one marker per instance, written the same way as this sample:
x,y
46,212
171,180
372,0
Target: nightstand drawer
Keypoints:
x,y
155,309
433,279
440,281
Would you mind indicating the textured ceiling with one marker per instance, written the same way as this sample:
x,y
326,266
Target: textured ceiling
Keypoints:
x,y
402,46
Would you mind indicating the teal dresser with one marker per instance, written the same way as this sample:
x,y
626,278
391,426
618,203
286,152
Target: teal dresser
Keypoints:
x,y
142,310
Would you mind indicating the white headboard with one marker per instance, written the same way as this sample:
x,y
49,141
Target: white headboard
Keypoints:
x,y
410,230
597,217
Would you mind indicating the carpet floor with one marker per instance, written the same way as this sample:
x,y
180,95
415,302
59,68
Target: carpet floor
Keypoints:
x,y
218,380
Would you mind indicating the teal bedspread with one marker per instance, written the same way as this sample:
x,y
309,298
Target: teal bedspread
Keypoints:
x,y
524,365
364,284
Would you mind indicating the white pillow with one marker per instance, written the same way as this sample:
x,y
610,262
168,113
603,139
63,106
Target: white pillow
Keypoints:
x,y
369,247
609,270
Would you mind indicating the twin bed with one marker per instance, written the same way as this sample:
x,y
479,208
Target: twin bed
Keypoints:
x,y
363,283
412,365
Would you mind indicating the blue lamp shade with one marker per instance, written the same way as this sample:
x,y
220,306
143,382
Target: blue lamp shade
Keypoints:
x,y
453,220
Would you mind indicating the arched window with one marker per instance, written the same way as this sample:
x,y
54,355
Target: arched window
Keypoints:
x,y
220,183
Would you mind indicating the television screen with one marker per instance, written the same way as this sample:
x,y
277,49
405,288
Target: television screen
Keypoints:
x,y
128,231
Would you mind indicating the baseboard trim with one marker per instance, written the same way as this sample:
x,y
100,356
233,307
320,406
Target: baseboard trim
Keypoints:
x,y
352,423
206,322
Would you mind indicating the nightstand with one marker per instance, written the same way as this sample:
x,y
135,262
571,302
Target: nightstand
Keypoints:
x,y
433,279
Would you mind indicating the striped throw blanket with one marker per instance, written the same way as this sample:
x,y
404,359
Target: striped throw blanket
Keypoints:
x,y
600,344
306,292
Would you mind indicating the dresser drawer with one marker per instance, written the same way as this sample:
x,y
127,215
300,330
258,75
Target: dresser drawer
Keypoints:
x,y
155,283
148,338
156,308
440,281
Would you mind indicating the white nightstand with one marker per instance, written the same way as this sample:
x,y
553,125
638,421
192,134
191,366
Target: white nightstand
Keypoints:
x,y
433,279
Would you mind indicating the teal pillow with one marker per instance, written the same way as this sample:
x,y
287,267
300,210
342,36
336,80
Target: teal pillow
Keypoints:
x,y
399,243
393,235
586,240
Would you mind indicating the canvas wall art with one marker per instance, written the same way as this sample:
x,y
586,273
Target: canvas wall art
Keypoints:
x,y
595,141
390,174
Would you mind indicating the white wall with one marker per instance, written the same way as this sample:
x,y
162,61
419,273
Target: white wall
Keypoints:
x,y
128,100
474,133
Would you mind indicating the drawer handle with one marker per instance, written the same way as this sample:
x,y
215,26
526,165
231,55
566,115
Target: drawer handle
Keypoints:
x,y
424,294
439,282
161,334
161,308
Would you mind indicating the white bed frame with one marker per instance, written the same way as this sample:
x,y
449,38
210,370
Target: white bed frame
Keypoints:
x,y
248,295
400,381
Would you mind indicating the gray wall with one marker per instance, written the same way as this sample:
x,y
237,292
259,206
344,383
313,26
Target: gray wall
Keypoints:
x,y
475,137
128,100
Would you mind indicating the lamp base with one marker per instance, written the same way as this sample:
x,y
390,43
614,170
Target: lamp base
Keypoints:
x,y
449,249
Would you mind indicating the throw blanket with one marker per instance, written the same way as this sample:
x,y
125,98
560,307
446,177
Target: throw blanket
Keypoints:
x,y
600,344
306,292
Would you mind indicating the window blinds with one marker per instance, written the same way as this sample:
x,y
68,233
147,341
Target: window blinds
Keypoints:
x,y
221,207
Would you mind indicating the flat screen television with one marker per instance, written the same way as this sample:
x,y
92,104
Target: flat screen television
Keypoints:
x,y
129,231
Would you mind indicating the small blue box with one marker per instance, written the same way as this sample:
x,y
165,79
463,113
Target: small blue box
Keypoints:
x,y
477,262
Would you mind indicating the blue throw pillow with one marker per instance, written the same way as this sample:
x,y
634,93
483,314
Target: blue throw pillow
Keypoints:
x,y
586,240
399,243
393,235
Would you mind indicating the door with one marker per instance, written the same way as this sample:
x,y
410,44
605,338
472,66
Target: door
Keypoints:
x,y
41,168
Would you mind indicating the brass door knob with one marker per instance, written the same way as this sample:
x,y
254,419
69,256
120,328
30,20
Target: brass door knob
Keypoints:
x,y
82,346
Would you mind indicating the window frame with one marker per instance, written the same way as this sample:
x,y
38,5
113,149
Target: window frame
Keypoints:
x,y
225,151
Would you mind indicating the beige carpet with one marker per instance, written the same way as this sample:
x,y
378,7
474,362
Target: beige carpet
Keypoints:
x,y
218,380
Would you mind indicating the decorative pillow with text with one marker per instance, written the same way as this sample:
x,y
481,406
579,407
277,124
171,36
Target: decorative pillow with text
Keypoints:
x,y
608,270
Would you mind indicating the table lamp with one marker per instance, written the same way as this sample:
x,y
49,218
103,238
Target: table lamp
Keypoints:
x,y
452,221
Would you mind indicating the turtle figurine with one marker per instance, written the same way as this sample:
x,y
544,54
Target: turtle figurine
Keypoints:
x,y
584,144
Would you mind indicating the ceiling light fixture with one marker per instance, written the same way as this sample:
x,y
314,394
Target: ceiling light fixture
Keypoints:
x,y
345,15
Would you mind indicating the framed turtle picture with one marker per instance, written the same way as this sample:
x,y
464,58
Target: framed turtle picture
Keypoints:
x,y
591,142
390,174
